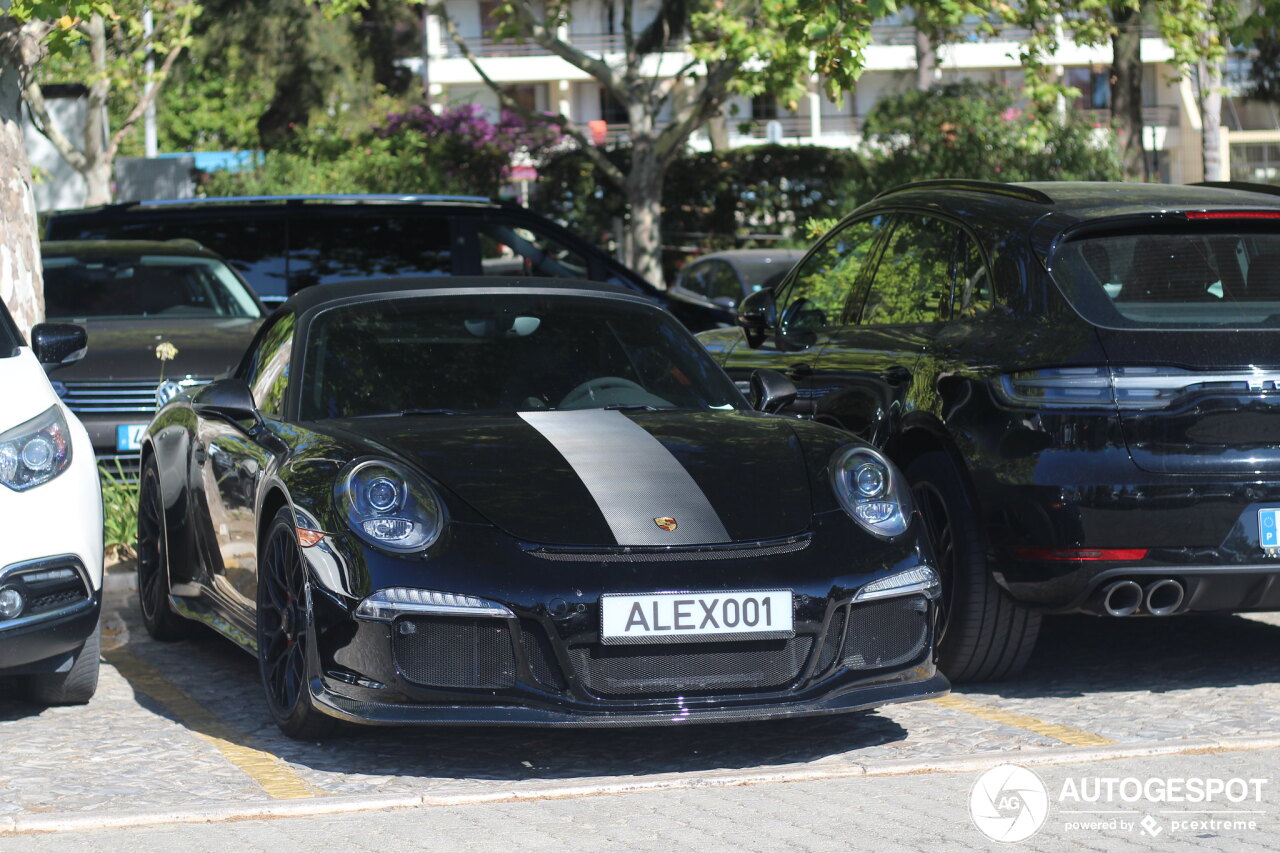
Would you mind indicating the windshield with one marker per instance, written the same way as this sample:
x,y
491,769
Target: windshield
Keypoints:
x,y
128,287
504,353
1201,278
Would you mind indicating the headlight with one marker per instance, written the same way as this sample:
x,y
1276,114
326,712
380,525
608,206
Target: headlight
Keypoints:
x,y
35,452
872,490
390,508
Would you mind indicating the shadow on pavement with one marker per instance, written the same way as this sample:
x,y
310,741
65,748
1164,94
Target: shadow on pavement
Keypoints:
x,y
1085,654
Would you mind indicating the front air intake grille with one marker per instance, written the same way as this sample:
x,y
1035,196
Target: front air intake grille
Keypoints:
x,y
691,667
126,467
537,649
110,397
831,643
443,652
886,633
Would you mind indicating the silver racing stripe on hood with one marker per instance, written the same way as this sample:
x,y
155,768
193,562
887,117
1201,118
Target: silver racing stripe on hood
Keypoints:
x,y
633,478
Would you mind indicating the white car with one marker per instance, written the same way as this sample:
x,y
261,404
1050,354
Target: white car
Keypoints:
x,y
50,523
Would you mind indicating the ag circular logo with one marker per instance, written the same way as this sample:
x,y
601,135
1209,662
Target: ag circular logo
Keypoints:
x,y
1009,803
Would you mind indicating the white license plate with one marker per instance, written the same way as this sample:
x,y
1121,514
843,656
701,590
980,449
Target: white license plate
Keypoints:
x,y
129,436
692,617
1269,530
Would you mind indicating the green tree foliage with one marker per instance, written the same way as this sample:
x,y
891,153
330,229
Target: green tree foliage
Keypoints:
x,y
971,130
713,200
456,152
122,60
258,72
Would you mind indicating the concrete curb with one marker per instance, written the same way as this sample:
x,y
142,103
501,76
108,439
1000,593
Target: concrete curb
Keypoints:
x,y
32,823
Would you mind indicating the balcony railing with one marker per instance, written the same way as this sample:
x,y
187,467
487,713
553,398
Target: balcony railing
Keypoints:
x,y
596,43
1151,117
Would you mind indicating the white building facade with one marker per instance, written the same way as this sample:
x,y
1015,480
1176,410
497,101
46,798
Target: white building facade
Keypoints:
x,y
545,82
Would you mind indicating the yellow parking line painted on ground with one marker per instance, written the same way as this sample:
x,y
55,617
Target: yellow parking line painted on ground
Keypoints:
x,y
1066,734
273,775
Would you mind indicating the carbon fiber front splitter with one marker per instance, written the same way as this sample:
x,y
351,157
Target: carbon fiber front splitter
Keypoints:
x,y
857,699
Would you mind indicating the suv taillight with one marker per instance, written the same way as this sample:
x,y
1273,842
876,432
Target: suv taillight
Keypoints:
x,y
1126,388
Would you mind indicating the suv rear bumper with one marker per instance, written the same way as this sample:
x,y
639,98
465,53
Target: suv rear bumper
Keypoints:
x,y
1202,534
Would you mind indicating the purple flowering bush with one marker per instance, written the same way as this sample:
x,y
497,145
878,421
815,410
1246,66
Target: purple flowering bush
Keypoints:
x,y
458,151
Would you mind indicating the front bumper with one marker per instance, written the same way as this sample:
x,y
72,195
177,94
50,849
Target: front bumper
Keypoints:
x,y
541,663
61,614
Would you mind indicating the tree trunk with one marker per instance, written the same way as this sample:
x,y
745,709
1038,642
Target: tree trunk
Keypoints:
x,y
1126,92
644,198
1211,119
21,286
926,61
98,160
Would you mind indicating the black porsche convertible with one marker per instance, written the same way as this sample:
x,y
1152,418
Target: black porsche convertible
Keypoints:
x,y
496,501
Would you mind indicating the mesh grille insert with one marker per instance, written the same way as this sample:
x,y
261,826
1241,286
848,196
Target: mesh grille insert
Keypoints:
x,y
831,644
541,659
690,668
443,652
886,633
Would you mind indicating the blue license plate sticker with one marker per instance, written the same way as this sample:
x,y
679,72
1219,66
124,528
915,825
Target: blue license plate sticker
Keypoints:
x,y
1269,530
129,437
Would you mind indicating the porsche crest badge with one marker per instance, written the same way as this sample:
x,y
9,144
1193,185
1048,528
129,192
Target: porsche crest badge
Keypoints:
x,y
666,522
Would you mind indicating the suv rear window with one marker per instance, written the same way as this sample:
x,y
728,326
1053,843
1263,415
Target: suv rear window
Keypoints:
x,y
1201,278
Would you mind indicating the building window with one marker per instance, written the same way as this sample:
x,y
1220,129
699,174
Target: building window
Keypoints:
x,y
610,110
764,108
530,96
1094,85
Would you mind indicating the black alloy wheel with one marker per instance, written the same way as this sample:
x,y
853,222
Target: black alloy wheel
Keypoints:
x,y
283,632
985,635
158,616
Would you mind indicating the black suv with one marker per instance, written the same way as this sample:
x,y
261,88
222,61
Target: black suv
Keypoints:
x,y
1081,381
282,244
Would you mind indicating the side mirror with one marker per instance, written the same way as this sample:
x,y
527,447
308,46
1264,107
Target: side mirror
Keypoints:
x,y
58,344
227,399
771,392
758,315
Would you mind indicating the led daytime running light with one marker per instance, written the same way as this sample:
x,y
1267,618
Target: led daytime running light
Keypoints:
x,y
920,579
386,604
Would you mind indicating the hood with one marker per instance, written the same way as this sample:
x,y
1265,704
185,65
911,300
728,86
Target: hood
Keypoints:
x,y
125,350
604,478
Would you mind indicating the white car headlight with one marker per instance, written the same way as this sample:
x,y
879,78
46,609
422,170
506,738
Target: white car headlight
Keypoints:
x,y
35,452
872,490
390,508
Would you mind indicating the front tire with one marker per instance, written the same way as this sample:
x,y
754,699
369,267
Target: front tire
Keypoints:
x,y
161,622
77,685
987,636
283,633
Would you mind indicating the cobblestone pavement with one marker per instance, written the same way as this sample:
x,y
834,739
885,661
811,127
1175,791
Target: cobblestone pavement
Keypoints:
x,y
888,815
182,727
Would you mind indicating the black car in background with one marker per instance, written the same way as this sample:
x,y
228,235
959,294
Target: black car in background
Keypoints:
x,y
526,502
132,297
1081,381
282,244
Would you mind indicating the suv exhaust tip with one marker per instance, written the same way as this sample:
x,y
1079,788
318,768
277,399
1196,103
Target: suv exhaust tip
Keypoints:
x,y
1163,597
1122,598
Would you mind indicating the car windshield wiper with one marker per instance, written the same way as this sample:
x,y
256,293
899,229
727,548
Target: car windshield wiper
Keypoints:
x,y
638,407
410,413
